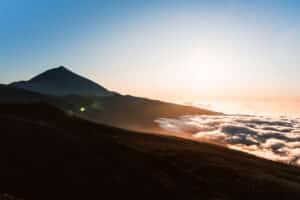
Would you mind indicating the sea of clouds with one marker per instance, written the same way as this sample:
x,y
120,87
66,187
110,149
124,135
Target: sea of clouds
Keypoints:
x,y
270,137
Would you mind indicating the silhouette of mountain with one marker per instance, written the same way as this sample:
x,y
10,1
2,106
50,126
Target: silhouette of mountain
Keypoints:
x,y
48,151
126,112
60,82
73,92
47,154
11,94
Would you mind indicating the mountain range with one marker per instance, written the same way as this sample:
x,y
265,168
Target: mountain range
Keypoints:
x,y
59,141
71,92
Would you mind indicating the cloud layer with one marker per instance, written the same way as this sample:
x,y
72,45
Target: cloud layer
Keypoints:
x,y
275,138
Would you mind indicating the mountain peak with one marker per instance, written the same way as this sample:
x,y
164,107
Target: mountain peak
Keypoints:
x,y
62,68
54,74
60,81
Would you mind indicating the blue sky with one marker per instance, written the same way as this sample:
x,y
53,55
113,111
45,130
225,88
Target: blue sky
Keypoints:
x,y
161,49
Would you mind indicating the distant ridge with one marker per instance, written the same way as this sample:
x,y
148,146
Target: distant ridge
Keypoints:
x,y
61,81
17,95
71,92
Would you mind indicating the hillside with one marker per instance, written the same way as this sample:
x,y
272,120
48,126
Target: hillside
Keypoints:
x,y
47,154
129,112
60,82
11,94
71,92
121,111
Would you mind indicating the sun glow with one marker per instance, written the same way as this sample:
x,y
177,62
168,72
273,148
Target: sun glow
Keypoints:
x,y
209,68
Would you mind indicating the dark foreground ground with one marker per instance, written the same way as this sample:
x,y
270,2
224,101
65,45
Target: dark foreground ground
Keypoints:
x,y
46,155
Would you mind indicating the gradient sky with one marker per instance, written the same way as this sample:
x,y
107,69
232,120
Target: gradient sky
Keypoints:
x,y
161,49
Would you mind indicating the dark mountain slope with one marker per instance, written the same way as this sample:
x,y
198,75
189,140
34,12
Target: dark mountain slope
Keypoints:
x,y
46,154
72,92
11,94
130,112
60,81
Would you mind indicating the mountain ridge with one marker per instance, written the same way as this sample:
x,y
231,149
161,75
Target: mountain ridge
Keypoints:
x,y
60,81
111,108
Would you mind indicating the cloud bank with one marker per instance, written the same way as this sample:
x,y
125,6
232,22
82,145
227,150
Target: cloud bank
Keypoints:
x,y
275,138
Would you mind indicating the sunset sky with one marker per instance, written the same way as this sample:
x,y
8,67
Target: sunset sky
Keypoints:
x,y
161,49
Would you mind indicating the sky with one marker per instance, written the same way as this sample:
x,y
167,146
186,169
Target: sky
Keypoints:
x,y
170,50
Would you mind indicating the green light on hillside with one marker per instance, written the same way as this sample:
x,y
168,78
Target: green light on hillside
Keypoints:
x,y
82,109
